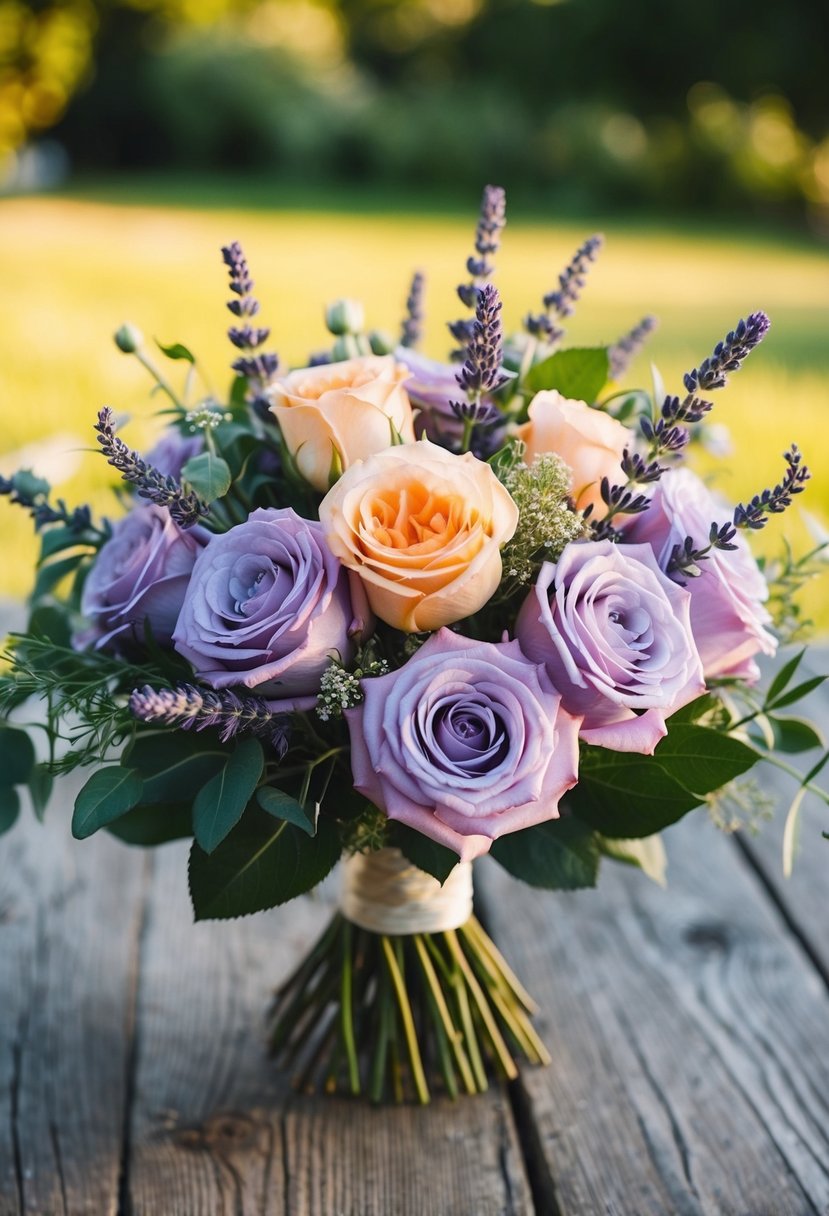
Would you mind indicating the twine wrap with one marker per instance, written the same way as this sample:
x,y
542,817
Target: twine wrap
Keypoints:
x,y
385,893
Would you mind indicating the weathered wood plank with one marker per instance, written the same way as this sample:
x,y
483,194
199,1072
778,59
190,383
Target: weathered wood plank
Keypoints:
x,y
690,1040
69,922
215,1128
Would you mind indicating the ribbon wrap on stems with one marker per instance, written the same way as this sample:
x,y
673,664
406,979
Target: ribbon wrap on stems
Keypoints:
x,y
385,893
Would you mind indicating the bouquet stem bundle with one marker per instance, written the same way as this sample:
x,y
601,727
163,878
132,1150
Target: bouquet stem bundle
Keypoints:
x,y
386,1015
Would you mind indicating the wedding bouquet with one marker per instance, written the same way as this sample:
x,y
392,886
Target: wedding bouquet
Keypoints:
x,y
409,613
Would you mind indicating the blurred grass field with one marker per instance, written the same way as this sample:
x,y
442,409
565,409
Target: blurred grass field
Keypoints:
x,y
74,268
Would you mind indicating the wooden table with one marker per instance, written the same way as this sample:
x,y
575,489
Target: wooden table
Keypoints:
x,y
689,1030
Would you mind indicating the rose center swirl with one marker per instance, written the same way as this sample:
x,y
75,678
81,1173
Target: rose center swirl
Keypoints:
x,y
462,734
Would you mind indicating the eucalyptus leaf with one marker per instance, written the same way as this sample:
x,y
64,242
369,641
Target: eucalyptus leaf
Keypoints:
x,y
580,373
108,794
646,852
17,756
208,475
559,855
426,854
283,806
262,863
176,350
219,804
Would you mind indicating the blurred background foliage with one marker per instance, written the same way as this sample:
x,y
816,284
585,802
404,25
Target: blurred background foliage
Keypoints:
x,y
580,102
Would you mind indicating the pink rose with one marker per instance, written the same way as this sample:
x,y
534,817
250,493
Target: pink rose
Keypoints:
x,y
727,614
588,440
464,743
615,636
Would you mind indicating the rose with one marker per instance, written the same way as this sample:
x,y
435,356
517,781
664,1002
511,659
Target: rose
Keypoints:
x,y
337,413
728,619
615,635
267,606
139,578
423,530
432,387
587,439
464,743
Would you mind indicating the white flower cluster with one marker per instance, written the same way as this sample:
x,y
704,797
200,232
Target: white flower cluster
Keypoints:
x,y
546,521
340,689
206,416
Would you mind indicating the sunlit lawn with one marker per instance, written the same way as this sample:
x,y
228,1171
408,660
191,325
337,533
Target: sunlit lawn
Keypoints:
x,y
73,269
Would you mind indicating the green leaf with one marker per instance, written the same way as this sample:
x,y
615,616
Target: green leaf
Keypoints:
x,y
795,735
107,795
426,854
29,486
152,825
9,807
796,694
59,536
646,852
791,831
176,351
40,788
559,855
208,475
695,710
580,372
623,794
17,756
174,765
783,677
262,863
283,806
52,573
50,622
219,804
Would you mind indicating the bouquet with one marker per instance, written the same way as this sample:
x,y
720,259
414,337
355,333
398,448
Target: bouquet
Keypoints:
x,y
408,613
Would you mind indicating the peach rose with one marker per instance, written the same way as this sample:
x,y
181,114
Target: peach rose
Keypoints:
x,y
423,529
587,439
337,413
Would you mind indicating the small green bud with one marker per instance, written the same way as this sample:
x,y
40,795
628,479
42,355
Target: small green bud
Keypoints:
x,y
346,347
129,339
381,343
345,317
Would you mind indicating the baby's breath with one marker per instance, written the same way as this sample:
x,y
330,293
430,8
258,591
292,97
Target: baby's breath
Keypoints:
x,y
546,521
340,689
206,416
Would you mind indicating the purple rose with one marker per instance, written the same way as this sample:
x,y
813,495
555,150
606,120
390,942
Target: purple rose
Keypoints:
x,y
267,607
728,618
615,635
431,388
173,450
139,578
464,743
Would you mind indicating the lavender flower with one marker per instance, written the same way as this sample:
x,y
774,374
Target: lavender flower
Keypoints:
x,y
729,354
189,707
772,502
185,507
259,368
491,220
481,372
626,348
412,328
32,493
572,279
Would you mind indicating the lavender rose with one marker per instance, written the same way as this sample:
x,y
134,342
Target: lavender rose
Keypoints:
x,y
615,635
267,606
464,743
728,618
431,388
139,578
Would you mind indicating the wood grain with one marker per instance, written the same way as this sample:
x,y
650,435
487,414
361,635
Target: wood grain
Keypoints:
x,y
690,1041
69,924
215,1127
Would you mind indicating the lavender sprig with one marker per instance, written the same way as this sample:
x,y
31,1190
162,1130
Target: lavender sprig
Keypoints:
x,y
31,493
729,354
771,502
185,507
685,557
412,327
491,221
481,372
572,279
253,364
189,707
625,349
